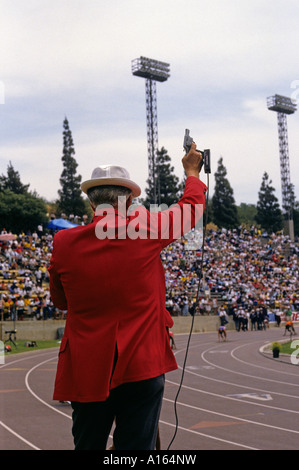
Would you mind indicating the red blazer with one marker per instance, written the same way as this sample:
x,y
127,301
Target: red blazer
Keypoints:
x,y
114,292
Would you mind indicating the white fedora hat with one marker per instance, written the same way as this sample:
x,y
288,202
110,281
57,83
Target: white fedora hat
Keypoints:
x,y
111,175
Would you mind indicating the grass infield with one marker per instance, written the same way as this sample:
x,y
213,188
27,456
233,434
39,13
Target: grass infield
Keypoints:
x,y
286,347
26,346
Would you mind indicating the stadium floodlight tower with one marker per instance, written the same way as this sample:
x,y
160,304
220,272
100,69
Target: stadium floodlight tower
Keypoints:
x,y
284,106
153,71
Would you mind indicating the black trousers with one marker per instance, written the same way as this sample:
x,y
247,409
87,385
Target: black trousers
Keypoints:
x,y
134,406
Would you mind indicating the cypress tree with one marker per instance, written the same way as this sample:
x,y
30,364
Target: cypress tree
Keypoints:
x,y
296,218
225,213
70,199
269,214
167,183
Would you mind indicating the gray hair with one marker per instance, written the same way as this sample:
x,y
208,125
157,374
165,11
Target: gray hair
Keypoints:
x,y
107,194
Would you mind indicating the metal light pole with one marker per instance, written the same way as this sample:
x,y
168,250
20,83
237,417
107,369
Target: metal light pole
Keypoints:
x,y
284,106
153,71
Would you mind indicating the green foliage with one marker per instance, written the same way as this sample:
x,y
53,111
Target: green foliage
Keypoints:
x,y
247,214
21,212
224,209
287,348
291,208
12,181
70,199
40,344
167,183
288,204
296,218
269,214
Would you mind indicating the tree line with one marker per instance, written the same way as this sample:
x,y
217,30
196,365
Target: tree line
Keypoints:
x,y
22,210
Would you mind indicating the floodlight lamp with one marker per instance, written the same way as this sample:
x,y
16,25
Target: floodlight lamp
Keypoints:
x,y
281,104
151,69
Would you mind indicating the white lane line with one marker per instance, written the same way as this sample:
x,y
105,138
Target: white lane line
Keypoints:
x,y
9,429
164,422
229,416
36,396
257,365
232,383
207,436
18,436
30,355
251,364
232,398
247,387
243,373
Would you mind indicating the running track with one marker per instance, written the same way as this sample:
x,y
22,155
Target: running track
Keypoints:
x,y
232,398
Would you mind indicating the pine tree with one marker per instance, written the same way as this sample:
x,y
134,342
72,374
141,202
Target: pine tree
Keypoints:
x,y
296,218
288,206
13,181
269,214
70,199
167,183
291,208
224,209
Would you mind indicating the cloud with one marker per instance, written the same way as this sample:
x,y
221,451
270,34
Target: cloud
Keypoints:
x,y
66,44
73,58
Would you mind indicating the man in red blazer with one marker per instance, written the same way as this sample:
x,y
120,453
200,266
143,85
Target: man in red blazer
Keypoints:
x,y
109,277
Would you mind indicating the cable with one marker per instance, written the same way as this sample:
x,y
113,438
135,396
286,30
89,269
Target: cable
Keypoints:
x,y
192,322
180,386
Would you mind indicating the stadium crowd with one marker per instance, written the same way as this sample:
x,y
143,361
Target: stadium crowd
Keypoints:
x,y
24,279
245,274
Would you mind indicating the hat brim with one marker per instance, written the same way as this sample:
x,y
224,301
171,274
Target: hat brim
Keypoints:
x,y
86,185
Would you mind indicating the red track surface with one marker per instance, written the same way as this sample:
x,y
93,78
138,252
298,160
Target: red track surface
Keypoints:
x,y
233,398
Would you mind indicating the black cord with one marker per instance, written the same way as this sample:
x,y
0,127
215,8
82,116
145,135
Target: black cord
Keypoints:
x,y
192,322
180,386
203,242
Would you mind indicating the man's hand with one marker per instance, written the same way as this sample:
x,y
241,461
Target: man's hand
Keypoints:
x,y
192,162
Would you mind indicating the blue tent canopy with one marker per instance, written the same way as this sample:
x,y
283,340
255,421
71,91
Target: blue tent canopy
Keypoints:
x,y
59,224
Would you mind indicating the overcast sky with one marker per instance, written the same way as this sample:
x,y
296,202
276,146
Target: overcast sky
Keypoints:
x,y
73,58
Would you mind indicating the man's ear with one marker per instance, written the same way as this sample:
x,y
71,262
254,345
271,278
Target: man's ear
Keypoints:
x,y
91,205
129,201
